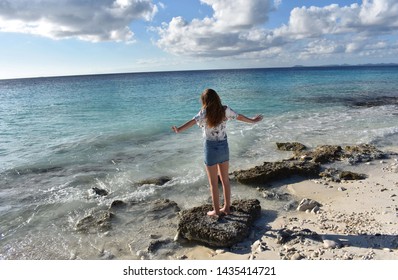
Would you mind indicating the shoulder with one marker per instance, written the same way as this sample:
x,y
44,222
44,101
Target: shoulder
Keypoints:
x,y
229,113
200,116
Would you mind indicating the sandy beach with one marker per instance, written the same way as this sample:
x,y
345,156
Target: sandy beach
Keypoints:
x,y
357,220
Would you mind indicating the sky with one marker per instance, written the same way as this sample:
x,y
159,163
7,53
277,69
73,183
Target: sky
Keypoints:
x,y
74,37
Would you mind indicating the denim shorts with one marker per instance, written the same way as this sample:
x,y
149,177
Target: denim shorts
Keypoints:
x,y
216,152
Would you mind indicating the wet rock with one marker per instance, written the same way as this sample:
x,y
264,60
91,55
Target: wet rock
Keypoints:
x,y
375,101
97,221
271,195
155,181
157,244
100,192
270,171
164,204
290,205
226,231
290,146
308,204
117,204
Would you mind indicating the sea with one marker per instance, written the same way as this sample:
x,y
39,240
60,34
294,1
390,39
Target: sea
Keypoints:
x,y
60,137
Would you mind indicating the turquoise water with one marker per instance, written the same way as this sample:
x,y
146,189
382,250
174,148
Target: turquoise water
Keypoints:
x,y
59,137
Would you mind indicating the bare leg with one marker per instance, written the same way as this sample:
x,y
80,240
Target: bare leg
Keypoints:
x,y
223,171
213,181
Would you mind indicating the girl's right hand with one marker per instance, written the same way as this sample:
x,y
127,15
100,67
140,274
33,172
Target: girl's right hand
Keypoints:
x,y
175,129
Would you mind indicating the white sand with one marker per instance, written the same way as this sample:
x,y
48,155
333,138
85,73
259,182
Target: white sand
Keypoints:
x,y
361,220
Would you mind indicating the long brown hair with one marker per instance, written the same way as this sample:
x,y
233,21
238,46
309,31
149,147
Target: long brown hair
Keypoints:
x,y
211,102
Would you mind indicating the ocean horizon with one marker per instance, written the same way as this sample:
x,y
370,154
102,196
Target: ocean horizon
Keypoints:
x,y
60,137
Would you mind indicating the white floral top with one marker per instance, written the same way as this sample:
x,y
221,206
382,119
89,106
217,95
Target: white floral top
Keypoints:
x,y
219,132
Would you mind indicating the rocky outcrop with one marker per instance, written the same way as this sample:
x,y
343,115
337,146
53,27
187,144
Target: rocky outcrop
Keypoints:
x,y
362,153
307,163
321,154
330,153
226,231
277,170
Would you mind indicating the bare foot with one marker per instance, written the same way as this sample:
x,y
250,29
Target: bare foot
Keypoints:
x,y
225,210
213,214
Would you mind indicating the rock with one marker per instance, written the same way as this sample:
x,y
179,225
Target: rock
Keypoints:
x,y
307,163
259,246
155,181
142,254
117,204
177,237
315,210
330,244
341,189
271,195
290,205
164,204
336,175
100,192
294,146
307,204
157,244
284,235
348,175
195,225
105,255
296,256
321,154
362,153
315,254
98,221
270,171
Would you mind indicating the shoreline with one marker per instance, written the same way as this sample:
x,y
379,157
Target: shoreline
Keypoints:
x,y
357,220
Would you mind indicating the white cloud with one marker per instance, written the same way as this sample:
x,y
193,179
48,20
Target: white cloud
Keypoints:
x,y
231,29
100,20
310,31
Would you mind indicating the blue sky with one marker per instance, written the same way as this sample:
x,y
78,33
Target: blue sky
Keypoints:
x,y
72,37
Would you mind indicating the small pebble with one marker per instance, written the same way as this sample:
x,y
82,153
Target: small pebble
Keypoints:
x,y
329,244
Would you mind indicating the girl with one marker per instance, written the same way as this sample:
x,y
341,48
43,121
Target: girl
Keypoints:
x,y
212,118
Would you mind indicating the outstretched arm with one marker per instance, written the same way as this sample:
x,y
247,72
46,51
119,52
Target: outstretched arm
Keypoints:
x,y
185,126
255,119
